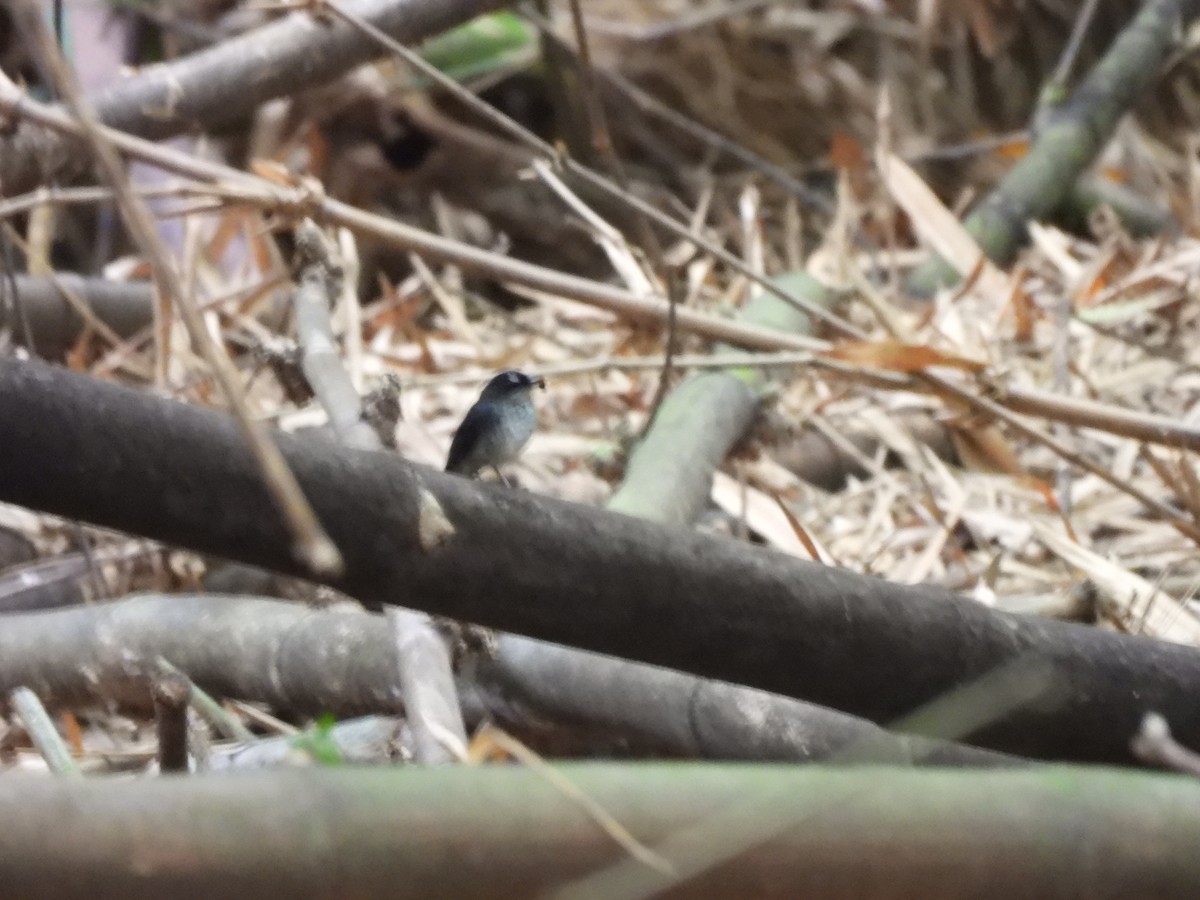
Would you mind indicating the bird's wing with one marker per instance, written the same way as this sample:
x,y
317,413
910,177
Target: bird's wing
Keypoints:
x,y
480,419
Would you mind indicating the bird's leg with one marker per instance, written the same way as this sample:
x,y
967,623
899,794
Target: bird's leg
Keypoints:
x,y
500,475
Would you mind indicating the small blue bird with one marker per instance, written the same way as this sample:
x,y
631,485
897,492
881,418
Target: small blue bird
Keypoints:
x,y
497,427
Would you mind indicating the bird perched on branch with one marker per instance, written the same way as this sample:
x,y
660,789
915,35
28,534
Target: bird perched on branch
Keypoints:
x,y
497,427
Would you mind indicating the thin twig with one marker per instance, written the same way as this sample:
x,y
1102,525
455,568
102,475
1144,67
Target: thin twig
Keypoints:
x,y
603,144
1066,62
42,732
64,196
171,691
312,546
209,709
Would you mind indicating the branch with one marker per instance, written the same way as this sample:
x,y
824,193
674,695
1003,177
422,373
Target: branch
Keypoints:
x,y
668,480
729,831
574,575
42,732
698,717
312,662
296,659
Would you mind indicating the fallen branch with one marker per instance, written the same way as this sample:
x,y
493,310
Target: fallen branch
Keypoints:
x,y
300,660
728,831
669,479
699,717
311,662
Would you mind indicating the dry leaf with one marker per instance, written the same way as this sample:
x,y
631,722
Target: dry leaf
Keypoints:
x,y
276,173
897,356
937,225
984,448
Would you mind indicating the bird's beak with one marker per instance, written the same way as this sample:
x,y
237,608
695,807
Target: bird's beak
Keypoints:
x,y
540,382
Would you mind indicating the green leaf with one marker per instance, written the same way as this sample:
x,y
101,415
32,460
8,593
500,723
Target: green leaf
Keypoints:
x,y
482,46
319,743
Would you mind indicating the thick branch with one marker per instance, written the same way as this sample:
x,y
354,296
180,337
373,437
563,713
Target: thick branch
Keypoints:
x,y
312,661
728,831
575,575
228,80
302,660
700,717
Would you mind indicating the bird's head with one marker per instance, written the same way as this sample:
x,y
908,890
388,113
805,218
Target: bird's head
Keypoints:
x,y
509,383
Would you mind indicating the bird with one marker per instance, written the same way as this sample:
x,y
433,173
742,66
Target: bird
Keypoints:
x,y
497,427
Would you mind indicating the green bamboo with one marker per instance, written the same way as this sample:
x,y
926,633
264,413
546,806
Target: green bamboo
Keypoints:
x,y
669,472
508,831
